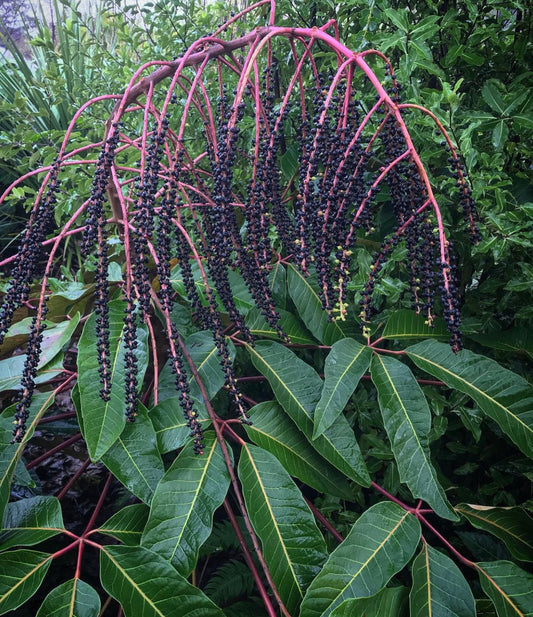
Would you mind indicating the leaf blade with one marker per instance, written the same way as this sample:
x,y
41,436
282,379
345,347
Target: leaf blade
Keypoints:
x,y
73,598
293,547
504,396
181,517
439,589
345,364
379,544
146,585
407,420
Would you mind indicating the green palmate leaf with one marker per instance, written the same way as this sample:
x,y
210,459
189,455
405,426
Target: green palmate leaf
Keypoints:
x,y
309,307
181,517
127,525
378,546
345,365
21,574
512,525
389,602
293,547
73,598
504,396
54,338
297,387
405,324
134,458
170,426
508,586
407,420
146,585
288,323
10,453
103,421
30,521
439,589
272,430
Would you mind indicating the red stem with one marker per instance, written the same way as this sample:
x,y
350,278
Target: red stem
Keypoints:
x,y
249,560
53,451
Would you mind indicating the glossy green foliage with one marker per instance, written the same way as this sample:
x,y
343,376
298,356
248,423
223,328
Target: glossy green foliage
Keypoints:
x,y
378,477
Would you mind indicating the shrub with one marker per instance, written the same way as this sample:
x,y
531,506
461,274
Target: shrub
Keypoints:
x,y
231,193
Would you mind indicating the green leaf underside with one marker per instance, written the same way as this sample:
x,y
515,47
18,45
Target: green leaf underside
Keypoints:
x,y
504,396
288,323
297,387
309,307
10,453
146,585
439,589
509,587
21,574
345,364
103,421
134,458
181,517
514,526
73,598
405,324
274,431
30,521
379,545
293,547
170,426
127,525
407,420
389,602
54,338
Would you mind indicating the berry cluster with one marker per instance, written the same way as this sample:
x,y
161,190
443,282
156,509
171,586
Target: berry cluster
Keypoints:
x,y
252,205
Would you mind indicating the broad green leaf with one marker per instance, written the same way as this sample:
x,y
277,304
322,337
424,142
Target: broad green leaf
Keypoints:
x,y
169,423
504,396
146,585
309,307
293,547
345,365
439,589
512,525
21,574
272,430
55,336
288,323
379,545
73,598
492,97
134,458
509,587
11,371
405,324
205,357
389,602
181,517
407,420
500,133
10,453
516,339
297,387
127,525
103,421
30,521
